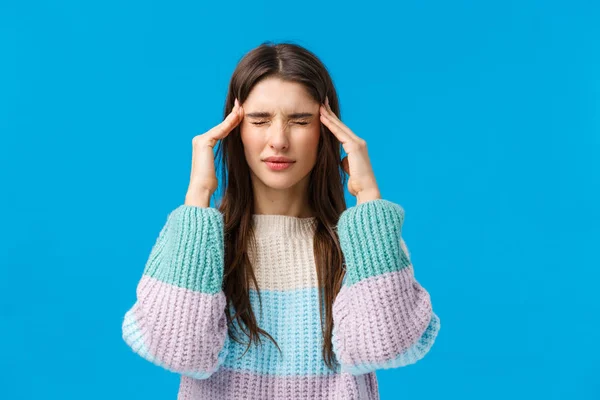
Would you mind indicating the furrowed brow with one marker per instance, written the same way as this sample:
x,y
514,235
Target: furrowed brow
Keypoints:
x,y
265,114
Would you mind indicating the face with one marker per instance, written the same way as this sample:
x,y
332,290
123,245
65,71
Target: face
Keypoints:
x,y
280,119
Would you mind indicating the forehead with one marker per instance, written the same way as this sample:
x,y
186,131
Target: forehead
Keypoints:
x,y
273,94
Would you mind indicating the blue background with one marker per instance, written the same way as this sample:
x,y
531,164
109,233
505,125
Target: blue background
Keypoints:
x,y
482,120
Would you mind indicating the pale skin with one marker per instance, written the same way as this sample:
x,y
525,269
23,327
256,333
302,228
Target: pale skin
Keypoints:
x,y
280,119
280,133
357,164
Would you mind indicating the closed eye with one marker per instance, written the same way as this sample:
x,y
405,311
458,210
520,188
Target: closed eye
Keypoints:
x,y
297,122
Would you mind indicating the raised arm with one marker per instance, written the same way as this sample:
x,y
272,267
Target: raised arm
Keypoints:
x,y
178,320
383,317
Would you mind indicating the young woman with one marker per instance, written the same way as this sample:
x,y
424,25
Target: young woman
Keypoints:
x,y
332,289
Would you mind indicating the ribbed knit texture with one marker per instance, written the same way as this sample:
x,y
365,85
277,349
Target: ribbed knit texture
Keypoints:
x,y
382,316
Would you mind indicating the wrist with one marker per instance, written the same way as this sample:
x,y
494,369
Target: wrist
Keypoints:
x,y
367,195
198,197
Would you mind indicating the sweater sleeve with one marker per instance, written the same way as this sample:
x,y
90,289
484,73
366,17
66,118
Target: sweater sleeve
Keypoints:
x,y
382,317
178,320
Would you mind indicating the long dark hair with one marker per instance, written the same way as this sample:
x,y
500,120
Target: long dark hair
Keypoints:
x,y
294,63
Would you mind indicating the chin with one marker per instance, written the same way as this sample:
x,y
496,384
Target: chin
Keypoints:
x,y
279,180
279,183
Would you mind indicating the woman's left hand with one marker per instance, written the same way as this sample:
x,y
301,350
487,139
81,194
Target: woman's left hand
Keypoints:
x,y
362,182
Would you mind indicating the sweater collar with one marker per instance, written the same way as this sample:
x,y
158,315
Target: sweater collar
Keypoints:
x,y
283,225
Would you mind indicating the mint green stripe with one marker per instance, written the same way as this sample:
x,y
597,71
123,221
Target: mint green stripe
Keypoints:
x,y
189,251
370,235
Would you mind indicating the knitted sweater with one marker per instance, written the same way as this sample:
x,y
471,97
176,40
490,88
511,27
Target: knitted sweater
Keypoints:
x,y
382,316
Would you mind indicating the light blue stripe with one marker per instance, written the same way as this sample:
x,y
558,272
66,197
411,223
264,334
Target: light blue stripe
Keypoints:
x,y
298,335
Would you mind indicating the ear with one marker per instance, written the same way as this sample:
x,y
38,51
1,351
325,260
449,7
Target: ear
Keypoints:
x,y
345,165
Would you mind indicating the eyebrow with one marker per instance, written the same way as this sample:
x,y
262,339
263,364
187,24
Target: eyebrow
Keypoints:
x,y
265,114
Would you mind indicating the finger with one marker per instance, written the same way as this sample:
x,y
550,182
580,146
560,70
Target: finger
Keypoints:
x,y
335,118
339,133
232,120
341,130
329,112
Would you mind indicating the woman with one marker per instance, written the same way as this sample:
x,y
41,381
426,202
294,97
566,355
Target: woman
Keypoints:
x,y
332,289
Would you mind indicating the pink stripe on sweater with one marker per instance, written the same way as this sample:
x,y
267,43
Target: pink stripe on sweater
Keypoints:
x,y
379,318
233,384
182,330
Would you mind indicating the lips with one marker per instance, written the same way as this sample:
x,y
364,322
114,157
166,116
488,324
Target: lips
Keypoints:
x,y
279,159
278,166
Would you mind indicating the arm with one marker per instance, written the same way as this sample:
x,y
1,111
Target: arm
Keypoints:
x,y
382,316
178,320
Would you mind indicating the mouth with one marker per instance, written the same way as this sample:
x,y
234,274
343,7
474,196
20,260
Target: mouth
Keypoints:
x,y
278,165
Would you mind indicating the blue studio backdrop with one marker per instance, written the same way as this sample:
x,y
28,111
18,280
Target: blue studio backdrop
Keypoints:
x,y
482,120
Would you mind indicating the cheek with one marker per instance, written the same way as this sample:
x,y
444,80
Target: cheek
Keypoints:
x,y
311,140
251,140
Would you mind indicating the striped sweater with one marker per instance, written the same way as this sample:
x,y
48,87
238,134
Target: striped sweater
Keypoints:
x,y
382,316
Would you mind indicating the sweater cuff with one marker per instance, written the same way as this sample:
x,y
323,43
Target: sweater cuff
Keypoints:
x,y
189,251
370,236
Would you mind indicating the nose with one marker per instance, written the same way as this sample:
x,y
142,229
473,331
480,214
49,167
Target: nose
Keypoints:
x,y
278,137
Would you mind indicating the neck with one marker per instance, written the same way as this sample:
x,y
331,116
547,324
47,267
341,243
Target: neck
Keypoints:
x,y
292,201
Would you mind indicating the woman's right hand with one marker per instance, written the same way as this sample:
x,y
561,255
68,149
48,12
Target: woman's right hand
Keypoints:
x,y
203,178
